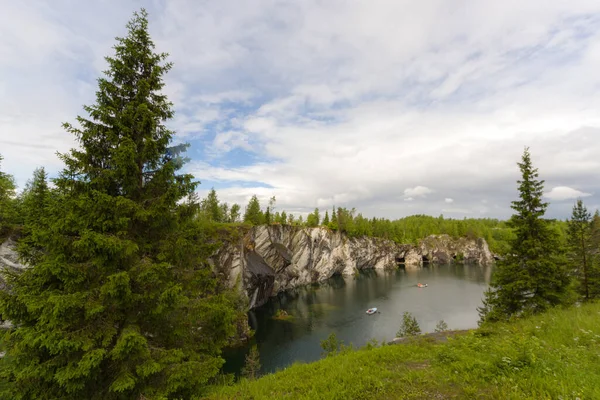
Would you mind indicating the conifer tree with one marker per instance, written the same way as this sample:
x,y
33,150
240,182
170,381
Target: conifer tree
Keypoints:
x,y
34,209
211,208
579,241
234,213
334,221
7,192
312,219
253,213
122,304
284,218
251,369
533,277
326,219
594,264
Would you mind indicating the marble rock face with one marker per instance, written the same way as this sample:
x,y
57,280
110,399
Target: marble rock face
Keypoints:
x,y
270,259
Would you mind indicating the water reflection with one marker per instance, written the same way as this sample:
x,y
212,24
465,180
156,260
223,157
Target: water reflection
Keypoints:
x,y
338,305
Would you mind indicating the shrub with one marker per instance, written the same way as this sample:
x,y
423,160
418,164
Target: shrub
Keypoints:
x,y
330,345
441,326
252,365
409,327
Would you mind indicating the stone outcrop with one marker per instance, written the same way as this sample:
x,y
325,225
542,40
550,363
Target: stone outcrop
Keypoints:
x,y
9,259
270,259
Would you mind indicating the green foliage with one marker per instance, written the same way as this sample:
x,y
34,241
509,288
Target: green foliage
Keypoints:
x,y
550,356
120,302
251,369
441,326
325,219
212,209
409,326
253,214
36,202
331,345
7,202
268,216
533,276
313,219
581,251
234,213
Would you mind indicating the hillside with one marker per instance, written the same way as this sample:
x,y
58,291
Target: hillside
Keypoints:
x,y
553,355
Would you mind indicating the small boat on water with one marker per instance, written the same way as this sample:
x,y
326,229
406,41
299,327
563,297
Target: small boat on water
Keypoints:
x,y
372,310
421,285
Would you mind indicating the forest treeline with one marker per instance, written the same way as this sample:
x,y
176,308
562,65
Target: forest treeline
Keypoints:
x,y
120,301
410,230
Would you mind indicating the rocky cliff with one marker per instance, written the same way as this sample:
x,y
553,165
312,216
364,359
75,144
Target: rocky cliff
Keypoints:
x,y
9,259
270,259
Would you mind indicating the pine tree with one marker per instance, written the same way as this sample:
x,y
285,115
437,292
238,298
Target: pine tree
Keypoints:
x,y
251,369
35,206
211,208
594,269
7,206
253,214
234,213
326,219
312,219
579,241
122,304
284,218
533,277
334,221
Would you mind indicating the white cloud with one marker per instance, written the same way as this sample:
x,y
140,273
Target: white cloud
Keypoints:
x,y
449,200
560,193
335,111
417,191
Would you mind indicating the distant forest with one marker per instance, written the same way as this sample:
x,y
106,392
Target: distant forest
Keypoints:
x,y
411,229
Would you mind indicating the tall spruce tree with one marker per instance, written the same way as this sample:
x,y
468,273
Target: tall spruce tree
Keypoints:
x,y
579,241
35,203
533,276
122,304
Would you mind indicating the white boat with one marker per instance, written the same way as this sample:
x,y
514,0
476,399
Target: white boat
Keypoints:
x,y
372,310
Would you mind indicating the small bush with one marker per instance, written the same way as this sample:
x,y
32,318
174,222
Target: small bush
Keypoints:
x,y
409,327
330,345
252,366
441,326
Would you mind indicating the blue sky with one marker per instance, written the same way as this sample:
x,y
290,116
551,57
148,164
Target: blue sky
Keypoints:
x,y
393,107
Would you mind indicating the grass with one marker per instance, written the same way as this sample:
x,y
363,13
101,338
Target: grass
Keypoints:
x,y
550,356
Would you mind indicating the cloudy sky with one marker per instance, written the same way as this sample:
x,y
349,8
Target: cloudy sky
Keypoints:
x,y
393,107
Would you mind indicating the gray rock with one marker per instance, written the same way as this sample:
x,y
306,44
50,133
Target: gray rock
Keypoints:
x,y
9,260
270,259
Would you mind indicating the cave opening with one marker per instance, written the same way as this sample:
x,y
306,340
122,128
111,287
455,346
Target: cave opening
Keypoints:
x,y
425,260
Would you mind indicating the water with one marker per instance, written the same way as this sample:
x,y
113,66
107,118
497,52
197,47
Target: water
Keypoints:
x,y
338,305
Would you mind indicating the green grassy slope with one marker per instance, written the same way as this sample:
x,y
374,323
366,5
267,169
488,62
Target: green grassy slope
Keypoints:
x,y
551,356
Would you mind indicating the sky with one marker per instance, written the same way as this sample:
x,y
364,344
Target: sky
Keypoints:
x,y
392,107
